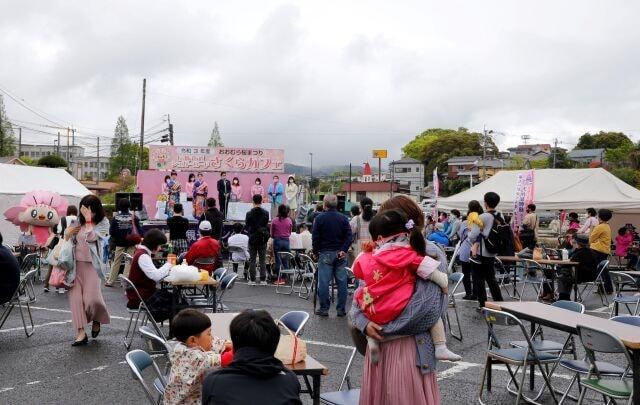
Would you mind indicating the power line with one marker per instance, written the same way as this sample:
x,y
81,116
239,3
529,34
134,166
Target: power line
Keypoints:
x,y
32,109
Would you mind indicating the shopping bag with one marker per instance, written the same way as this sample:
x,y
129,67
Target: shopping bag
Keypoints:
x,y
291,349
66,259
57,278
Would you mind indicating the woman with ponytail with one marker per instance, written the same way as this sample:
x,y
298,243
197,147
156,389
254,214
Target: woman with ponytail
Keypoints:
x,y
360,226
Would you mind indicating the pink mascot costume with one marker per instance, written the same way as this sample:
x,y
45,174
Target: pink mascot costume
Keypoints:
x,y
37,213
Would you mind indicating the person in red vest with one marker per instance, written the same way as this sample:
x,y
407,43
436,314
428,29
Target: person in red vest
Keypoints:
x,y
204,248
145,275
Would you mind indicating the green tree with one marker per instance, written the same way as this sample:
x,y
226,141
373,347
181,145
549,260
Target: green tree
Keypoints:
x,y
436,145
621,156
539,164
215,140
52,161
562,161
627,175
29,161
518,163
602,139
120,144
454,186
7,138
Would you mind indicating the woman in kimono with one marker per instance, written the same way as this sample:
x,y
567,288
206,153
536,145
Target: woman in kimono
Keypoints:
x,y
174,193
200,192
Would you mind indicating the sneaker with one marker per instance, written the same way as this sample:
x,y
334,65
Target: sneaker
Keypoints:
x,y
341,314
322,313
280,281
251,283
46,289
263,283
61,290
470,298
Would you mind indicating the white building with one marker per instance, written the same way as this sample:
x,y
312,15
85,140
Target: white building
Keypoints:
x,y
82,167
37,151
409,173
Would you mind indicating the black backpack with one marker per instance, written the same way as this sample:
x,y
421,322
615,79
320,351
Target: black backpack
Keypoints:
x,y
500,238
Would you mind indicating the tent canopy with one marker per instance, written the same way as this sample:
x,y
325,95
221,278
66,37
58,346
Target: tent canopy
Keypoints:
x,y
16,181
556,189
22,179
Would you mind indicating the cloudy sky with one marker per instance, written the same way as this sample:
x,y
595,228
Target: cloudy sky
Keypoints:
x,y
336,78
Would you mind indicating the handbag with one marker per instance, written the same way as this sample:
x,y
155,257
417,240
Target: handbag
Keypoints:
x,y
291,349
57,278
134,237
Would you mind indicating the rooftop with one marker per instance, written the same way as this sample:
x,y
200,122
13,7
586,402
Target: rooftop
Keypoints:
x,y
460,159
406,160
583,153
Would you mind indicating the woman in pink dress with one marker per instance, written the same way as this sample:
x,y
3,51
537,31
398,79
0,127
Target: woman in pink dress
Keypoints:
x,y
396,379
189,186
257,189
236,190
85,295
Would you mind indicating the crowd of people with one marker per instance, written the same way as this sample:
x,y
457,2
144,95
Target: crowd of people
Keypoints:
x,y
396,254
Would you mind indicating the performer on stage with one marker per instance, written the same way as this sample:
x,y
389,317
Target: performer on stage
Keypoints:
x,y
200,193
224,190
236,190
257,189
189,186
174,192
276,192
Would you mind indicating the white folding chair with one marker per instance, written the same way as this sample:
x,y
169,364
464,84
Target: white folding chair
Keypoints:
x,y
141,310
456,279
139,361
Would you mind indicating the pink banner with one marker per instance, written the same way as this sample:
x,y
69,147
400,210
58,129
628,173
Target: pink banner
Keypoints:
x,y
149,183
163,157
525,183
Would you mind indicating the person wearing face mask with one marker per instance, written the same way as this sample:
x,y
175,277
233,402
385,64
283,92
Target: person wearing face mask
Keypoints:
x,y
275,191
258,189
224,190
85,295
236,190
291,192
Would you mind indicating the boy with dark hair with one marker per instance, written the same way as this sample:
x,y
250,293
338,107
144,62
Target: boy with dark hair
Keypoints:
x,y
196,353
484,272
255,376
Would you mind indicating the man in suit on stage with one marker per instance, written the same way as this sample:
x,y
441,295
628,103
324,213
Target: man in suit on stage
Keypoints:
x,y
224,189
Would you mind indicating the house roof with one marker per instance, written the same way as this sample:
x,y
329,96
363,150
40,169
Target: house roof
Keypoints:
x,y
12,160
492,163
531,146
371,187
585,153
406,160
461,159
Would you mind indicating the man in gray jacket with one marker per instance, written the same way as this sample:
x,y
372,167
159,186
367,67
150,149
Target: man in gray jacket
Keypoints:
x,y
484,271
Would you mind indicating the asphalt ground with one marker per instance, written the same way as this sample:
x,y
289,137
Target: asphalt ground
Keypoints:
x,y
45,369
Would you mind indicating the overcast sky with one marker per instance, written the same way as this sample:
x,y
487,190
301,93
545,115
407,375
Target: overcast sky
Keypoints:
x,y
336,78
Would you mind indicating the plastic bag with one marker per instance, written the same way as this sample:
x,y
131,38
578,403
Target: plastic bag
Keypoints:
x,y
183,273
66,258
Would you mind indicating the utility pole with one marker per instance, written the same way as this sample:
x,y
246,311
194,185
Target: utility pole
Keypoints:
x,y
68,162
73,138
19,141
170,130
555,149
311,181
349,182
98,149
144,96
393,178
484,151
58,143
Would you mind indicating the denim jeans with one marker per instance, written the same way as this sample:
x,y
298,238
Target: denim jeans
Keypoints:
x,y
329,266
280,245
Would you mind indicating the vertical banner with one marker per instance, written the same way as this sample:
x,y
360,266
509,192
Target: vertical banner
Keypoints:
x,y
524,196
436,193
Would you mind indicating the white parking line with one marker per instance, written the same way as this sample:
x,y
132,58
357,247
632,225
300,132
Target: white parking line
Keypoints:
x,y
37,326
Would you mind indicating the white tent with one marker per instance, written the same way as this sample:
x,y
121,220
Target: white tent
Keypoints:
x,y
556,189
16,181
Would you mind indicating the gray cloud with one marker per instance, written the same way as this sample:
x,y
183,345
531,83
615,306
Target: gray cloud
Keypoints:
x,y
335,78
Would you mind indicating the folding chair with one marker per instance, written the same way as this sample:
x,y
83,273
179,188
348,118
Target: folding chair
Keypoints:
x,y
226,284
633,320
456,279
519,357
307,276
597,282
295,321
22,298
288,270
620,280
349,397
219,273
29,262
504,278
231,262
535,277
546,345
142,310
158,345
601,341
139,361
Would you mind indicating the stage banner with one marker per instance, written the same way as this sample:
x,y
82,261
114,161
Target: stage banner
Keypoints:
x,y
254,160
525,183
